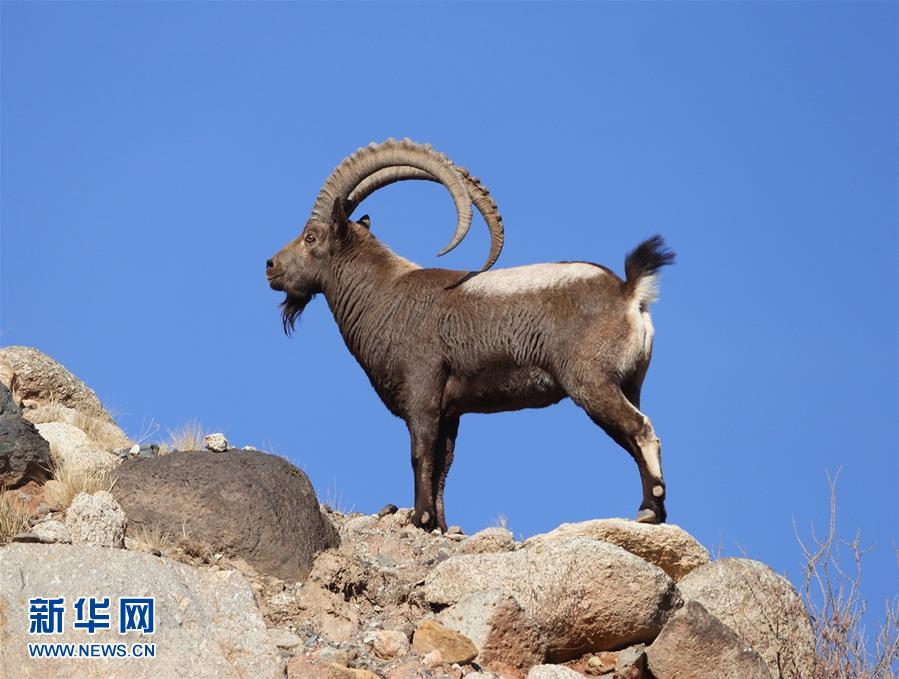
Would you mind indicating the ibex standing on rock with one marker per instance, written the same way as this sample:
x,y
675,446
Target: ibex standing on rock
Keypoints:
x,y
437,344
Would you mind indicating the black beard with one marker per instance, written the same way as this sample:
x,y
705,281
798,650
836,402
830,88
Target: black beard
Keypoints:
x,y
291,308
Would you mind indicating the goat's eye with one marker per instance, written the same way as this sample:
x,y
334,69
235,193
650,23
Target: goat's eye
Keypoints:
x,y
309,238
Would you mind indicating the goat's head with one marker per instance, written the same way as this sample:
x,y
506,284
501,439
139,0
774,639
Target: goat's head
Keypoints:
x,y
300,268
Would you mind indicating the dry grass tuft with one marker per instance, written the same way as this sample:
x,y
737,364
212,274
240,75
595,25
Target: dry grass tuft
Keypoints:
x,y
189,436
334,499
13,517
832,595
73,480
150,539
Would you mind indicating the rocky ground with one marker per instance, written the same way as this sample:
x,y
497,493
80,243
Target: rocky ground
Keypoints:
x,y
254,578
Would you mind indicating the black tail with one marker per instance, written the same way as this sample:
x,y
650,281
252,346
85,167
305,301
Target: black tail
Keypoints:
x,y
642,263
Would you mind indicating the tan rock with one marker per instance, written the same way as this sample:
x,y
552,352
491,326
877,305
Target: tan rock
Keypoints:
x,y
761,607
335,619
583,594
389,644
494,539
300,667
432,658
340,672
453,647
100,433
669,547
500,628
553,672
409,670
696,645
40,378
71,447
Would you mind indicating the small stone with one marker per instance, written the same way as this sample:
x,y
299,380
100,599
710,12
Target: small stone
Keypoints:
x,y
96,519
432,658
217,443
340,672
52,531
454,647
250,448
489,540
284,638
337,656
386,510
553,672
631,661
389,644
135,449
454,530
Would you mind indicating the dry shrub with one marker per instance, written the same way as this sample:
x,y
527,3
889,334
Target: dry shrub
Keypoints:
x,y
189,436
13,517
832,595
71,480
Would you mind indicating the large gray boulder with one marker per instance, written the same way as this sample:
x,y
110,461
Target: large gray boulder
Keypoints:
x,y
207,622
249,505
40,378
761,607
669,547
24,454
696,645
584,595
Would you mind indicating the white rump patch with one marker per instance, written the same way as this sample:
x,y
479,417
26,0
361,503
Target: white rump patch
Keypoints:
x,y
646,291
530,278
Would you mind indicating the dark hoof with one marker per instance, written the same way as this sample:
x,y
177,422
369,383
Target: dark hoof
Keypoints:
x,y
425,520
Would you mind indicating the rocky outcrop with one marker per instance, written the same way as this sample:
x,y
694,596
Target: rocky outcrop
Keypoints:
x,y
24,454
208,623
669,547
43,380
583,594
250,505
696,645
761,607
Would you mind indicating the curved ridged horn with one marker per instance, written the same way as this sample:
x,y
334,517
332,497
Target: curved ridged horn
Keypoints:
x,y
392,153
476,191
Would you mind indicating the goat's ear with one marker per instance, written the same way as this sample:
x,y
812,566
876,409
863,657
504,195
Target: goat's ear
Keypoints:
x,y
365,222
339,219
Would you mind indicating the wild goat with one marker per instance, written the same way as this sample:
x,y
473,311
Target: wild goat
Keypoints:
x,y
437,344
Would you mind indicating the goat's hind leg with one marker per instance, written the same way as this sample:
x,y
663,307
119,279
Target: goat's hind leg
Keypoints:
x,y
608,407
443,460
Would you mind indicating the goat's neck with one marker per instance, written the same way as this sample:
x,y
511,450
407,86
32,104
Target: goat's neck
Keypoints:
x,y
358,292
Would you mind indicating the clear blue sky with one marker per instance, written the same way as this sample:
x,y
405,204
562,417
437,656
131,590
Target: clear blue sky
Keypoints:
x,y
155,154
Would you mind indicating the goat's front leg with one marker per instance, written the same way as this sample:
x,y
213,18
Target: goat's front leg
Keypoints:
x,y
424,432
